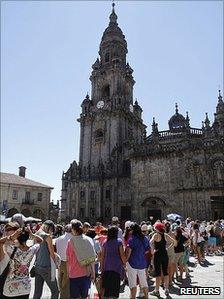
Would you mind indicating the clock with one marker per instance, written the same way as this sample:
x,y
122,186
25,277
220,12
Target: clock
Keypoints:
x,y
100,104
131,108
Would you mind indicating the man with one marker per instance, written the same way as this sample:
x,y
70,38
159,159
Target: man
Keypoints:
x,y
115,222
61,246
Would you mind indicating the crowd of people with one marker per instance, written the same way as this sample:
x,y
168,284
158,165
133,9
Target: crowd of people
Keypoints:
x,y
106,256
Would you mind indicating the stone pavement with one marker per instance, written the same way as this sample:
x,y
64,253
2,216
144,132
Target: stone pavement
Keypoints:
x,y
208,275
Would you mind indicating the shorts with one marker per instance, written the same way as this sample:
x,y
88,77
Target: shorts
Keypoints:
x,y
132,277
111,284
211,241
160,261
79,287
171,256
179,258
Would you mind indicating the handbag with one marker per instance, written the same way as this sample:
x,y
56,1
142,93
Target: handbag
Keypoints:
x,y
32,271
4,274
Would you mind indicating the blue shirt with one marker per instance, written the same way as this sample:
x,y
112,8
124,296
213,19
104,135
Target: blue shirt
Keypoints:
x,y
138,247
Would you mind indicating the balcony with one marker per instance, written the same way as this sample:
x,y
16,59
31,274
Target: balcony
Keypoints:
x,y
26,201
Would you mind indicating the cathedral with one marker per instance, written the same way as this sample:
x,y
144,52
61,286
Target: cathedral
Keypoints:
x,y
121,171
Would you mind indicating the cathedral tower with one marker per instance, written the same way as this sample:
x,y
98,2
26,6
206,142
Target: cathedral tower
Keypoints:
x,y
110,124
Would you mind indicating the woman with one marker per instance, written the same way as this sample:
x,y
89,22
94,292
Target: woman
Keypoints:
x,y
18,283
46,262
81,258
171,253
159,241
179,250
112,262
197,239
136,250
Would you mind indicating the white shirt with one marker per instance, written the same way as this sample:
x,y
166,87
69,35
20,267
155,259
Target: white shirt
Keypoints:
x,y
61,245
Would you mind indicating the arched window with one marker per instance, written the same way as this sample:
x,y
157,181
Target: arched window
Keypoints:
x,y
106,91
107,57
98,135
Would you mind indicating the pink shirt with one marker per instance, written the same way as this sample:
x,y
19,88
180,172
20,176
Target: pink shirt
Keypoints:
x,y
74,268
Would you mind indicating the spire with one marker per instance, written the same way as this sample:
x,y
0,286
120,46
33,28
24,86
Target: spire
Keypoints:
x,y
220,96
155,131
187,119
176,108
113,16
207,121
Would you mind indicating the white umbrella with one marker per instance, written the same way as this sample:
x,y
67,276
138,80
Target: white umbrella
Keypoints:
x,y
173,216
32,219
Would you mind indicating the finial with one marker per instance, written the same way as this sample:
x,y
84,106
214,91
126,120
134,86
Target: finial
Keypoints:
x,y
113,16
176,106
220,96
113,5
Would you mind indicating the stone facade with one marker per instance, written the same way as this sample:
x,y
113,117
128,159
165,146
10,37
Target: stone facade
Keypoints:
x,y
19,194
123,172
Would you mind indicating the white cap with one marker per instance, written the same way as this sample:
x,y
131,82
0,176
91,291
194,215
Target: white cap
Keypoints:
x,y
127,224
115,219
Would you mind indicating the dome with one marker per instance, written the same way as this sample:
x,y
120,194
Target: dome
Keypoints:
x,y
177,122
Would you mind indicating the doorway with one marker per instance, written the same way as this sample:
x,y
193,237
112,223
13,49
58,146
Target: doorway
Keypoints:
x,y
154,215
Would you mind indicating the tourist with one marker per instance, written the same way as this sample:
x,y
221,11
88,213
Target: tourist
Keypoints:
x,y
45,261
179,250
61,246
81,258
170,253
86,227
112,261
136,249
196,240
160,260
18,282
115,221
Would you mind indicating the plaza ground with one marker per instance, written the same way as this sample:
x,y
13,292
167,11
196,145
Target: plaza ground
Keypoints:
x,y
208,275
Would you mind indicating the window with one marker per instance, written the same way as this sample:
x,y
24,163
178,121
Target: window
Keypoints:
x,y
14,194
82,212
98,135
107,212
27,195
106,91
39,196
108,194
107,57
92,212
127,167
92,194
82,194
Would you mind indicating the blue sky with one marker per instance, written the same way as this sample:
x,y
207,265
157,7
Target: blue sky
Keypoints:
x,y
48,47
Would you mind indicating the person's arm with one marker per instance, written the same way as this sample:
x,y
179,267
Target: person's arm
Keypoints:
x,y
11,237
51,248
122,254
35,237
172,241
102,260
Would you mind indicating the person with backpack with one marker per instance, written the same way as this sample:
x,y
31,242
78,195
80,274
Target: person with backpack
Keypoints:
x,y
81,257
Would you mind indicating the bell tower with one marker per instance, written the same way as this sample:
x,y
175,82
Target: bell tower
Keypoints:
x,y
110,122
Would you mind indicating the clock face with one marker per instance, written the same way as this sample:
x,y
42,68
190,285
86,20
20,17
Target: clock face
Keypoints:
x,y
131,108
100,104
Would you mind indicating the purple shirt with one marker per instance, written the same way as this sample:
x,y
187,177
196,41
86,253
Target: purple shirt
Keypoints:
x,y
138,247
112,260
